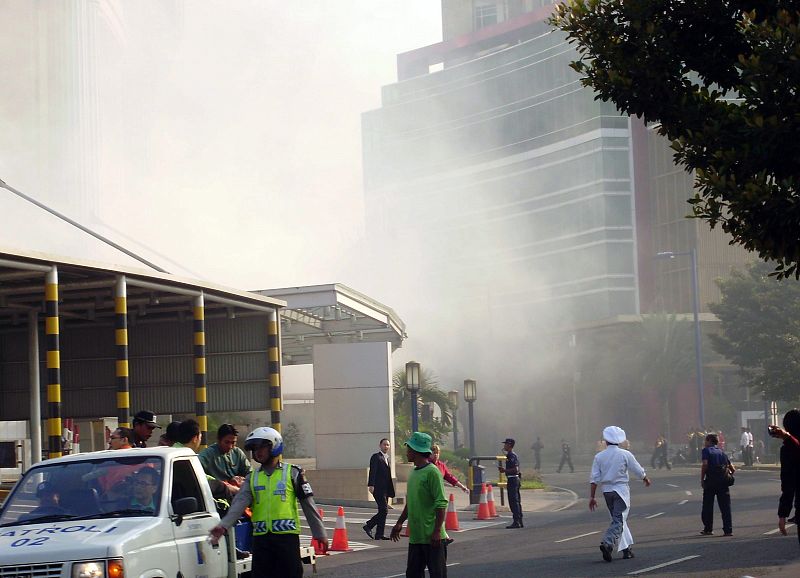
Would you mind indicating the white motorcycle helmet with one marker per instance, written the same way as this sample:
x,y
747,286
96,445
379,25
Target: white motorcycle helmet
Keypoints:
x,y
262,435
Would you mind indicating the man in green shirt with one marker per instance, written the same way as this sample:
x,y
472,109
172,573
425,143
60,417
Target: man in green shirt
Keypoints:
x,y
425,509
224,460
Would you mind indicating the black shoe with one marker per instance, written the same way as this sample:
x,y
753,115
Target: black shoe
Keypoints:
x,y
368,531
448,541
627,554
706,533
382,538
606,550
521,525
728,534
514,525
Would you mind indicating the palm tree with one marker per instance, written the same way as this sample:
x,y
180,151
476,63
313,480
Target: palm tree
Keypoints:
x,y
429,392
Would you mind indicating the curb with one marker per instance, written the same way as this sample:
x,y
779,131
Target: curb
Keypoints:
x,y
573,498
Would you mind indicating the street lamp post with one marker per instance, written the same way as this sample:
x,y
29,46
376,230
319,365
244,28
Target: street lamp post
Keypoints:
x,y
453,398
698,344
470,395
412,385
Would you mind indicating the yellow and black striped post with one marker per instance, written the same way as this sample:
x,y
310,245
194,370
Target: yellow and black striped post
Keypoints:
x,y
121,343
274,369
53,364
200,389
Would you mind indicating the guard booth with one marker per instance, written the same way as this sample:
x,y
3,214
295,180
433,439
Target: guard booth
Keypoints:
x,y
476,477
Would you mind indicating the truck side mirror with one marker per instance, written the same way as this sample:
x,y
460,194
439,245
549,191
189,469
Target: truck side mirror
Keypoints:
x,y
182,507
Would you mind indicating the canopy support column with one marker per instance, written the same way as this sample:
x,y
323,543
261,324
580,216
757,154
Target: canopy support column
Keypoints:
x,y
200,380
121,345
53,364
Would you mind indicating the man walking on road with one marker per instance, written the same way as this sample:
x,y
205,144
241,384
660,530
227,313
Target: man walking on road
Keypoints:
x,y
512,472
425,509
610,468
566,456
381,487
537,448
712,480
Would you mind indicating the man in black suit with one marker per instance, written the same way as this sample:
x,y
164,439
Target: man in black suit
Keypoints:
x,y
381,487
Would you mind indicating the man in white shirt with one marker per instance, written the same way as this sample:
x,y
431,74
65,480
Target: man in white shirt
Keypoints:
x,y
610,468
744,442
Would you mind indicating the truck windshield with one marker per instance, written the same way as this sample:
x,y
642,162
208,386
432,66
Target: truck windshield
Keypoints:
x,y
93,488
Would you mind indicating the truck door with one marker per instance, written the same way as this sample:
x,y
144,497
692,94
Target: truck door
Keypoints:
x,y
196,556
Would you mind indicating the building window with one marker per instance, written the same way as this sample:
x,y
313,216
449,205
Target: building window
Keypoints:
x,y
485,15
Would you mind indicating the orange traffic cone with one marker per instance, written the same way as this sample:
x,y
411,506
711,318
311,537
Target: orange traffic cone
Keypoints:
x,y
451,519
490,502
321,513
483,506
340,543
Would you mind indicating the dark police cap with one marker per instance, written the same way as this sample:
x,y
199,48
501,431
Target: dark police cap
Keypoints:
x,y
147,417
509,441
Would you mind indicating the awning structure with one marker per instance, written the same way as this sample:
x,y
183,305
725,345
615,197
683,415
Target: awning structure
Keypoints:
x,y
332,313
99,340
86,291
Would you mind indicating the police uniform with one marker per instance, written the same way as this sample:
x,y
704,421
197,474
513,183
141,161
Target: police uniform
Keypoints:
x,y
513,486
276,521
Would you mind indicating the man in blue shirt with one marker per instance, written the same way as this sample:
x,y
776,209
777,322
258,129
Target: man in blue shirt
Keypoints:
x,y
712,480
512,472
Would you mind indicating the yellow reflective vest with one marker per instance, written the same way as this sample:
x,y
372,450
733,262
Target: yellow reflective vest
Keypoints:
x,y
274,502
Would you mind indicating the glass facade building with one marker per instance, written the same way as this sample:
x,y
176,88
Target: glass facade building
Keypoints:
x,y
510,174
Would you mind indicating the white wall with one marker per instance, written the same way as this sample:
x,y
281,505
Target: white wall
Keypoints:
x,y
352,403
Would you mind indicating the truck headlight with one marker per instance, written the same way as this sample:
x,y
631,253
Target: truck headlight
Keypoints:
x,y
98,569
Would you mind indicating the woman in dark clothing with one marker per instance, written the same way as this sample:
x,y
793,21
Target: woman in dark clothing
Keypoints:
x,y
790,466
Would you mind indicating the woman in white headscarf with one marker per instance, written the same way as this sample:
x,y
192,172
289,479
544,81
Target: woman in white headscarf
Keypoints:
x,y
610,469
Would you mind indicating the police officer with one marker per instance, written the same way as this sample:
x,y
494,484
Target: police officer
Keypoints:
x,y
272,491
512,472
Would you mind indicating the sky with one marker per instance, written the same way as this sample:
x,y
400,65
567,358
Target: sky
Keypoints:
x,y
229,133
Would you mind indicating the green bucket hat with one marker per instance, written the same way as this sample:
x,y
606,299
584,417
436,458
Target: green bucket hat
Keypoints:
x,y
420,442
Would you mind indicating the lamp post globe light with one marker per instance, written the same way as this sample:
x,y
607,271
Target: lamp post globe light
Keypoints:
x,y
452,397
698,344
470,395
412,385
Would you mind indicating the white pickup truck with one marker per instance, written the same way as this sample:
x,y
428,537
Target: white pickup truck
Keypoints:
x,y
138,513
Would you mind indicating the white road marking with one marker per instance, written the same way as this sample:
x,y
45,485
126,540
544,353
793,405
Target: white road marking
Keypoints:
x,y
682,502
467,525
354,546
448,565
670,563
576,537
774,480
776,530
654,516
688,493
672,485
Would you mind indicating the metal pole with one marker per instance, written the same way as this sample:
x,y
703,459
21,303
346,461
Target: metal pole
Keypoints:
x,y
81,227
35,387
766,430
471,429
698,351
414,412
455,430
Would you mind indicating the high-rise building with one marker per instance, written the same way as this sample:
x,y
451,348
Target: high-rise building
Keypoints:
x,y
520,187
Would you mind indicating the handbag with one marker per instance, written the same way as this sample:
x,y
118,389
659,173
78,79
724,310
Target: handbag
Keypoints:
x,y
727,476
